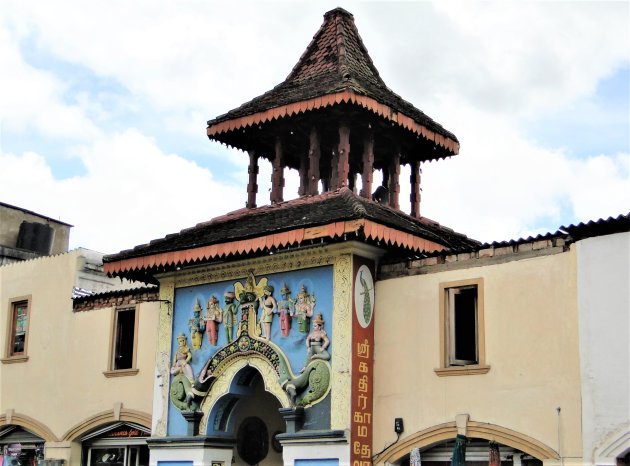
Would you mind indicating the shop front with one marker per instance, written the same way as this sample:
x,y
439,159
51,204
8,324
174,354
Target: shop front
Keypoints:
x,y
20,447
120,444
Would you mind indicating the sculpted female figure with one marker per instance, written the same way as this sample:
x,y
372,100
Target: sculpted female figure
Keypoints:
x,y
304,309
269,306
183,356
214,315
285,308
317,342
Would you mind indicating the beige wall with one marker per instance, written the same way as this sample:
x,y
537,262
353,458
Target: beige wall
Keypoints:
x,y
62,385
531,339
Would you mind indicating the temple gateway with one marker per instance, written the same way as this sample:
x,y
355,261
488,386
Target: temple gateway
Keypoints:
x,y
335,328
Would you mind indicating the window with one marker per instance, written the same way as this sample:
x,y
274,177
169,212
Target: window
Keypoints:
x,y
17,335
124,341
462,330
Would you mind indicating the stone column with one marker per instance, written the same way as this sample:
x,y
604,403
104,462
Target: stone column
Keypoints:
x,y
252,186
416,172
277,175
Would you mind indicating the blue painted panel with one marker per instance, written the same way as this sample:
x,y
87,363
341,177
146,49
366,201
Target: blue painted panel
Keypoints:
x,y
174,463
320,462
316,280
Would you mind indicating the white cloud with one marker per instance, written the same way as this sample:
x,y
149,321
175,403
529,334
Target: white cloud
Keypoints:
x,y
31,99
131,192
477,68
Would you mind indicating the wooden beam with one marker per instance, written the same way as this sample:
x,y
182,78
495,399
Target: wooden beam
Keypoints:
x,y
277,174
343,160
252,186
394,175
414,197
313,161
368,165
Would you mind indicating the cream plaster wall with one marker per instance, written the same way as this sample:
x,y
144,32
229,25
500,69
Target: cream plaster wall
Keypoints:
x,y
62,385
604,305
531,336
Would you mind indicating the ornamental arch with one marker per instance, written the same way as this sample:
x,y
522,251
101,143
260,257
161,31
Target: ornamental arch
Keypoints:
x,y
442,433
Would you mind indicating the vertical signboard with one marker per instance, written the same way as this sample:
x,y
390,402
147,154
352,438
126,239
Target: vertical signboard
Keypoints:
x,y
362,361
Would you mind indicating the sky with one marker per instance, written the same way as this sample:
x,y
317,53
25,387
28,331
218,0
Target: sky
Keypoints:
x,y
103,108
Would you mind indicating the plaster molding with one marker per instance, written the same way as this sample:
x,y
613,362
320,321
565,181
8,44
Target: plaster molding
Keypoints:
x,y
106,417
28,423
447,431
614,446
163,353
342,331
225,378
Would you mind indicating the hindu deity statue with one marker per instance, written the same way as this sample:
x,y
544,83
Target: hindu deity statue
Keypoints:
x,y
285,309
317,341
230,311
269,307
183,356
304,309
248,295
214,315
197,326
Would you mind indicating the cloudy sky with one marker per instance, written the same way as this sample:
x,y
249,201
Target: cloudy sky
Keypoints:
x,y
103,107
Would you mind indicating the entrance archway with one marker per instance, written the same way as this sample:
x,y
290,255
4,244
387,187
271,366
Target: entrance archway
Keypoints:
x,y
249,413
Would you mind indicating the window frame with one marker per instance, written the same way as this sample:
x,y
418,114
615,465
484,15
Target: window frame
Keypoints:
x,y
448,366
10,355
113,340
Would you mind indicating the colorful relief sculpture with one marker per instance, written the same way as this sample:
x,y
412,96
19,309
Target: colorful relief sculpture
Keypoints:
x,y
317,341
285,309
269,308
304,309
197,326
312,384
214,315
183,356
367,303
248,295
230,311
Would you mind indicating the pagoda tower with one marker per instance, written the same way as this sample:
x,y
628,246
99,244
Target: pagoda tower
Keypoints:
x,y
266,342
334,119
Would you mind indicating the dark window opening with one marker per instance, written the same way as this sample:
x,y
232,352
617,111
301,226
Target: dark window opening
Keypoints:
x,y
125,336
463,347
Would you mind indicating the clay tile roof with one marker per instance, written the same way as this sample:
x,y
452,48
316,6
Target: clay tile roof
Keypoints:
x,y
303,212
599,227
335,61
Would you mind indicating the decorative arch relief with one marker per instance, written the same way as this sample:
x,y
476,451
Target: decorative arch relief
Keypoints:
x,y
259,323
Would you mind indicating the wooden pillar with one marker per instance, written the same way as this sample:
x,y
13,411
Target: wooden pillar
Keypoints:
x,y
313,162
343,160
393,184
416,171
368,166
277,174
252,186
303,171
333,178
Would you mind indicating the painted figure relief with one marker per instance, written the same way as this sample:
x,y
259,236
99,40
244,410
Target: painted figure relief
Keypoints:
x,y
248,296
299,354
285,310
364,296
229,315
183,356
213,318
269,308
317,341
197,326
304,309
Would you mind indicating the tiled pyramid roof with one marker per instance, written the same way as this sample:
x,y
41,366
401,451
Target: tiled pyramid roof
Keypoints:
x,y
330,215
336,63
